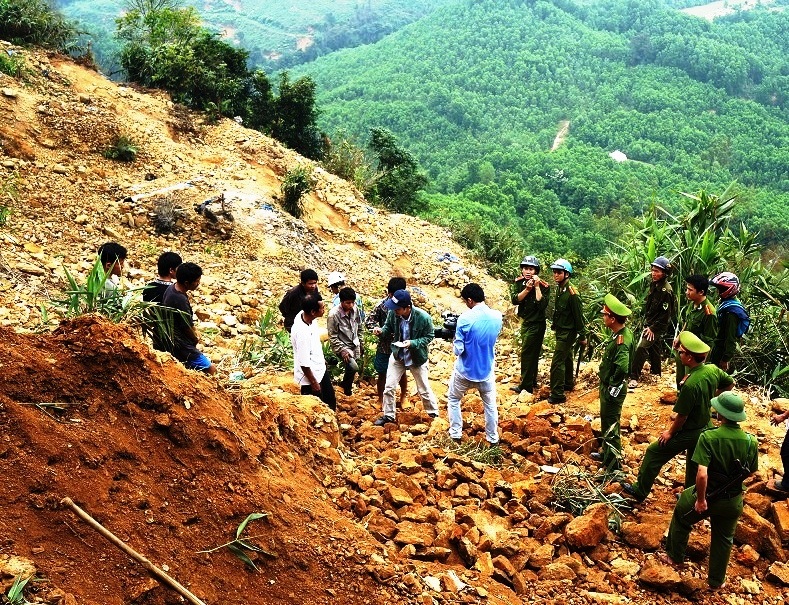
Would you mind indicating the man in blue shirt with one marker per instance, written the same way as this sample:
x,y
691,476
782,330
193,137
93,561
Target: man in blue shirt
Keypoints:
x,y
475,338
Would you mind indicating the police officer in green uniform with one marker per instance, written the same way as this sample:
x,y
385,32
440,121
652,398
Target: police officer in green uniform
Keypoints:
x,y
716,454
691,416
531,294
660,307
568,323
613,374
699,317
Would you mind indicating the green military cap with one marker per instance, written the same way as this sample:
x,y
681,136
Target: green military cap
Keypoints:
x,y
730,406
616,306
692,343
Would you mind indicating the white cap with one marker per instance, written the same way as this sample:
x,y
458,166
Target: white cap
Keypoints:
x,y
335,277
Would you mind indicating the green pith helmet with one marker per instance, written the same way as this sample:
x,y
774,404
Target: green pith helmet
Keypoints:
x,y
561,264
692,343
730,406
616,306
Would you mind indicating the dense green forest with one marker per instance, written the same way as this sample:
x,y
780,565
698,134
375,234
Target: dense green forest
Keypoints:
x,y
478,91
276,33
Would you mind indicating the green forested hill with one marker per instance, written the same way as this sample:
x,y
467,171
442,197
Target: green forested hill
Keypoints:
x,y
276,33
477,91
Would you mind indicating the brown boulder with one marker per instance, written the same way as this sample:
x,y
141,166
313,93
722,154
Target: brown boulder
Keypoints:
x,y
589,529
419,534
755,530
781,516
779,573
647,533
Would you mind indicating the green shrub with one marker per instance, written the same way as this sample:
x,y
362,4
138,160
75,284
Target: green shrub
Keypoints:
x,y
271,346
8,195
347,160
116,305
37,22
11,64
298,182
122,150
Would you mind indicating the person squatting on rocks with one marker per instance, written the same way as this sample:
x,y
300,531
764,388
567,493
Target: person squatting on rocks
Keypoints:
x,y
309,365
531,295
699,317
776,419
413,328
343,325
720,455
112,257
376,319
733,320
614,369
568,323
690,418
660,308
293,301
474,343
184,335
158,327
166,265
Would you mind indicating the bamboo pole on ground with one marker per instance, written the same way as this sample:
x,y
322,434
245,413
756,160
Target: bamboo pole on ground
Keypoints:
x,y
152,569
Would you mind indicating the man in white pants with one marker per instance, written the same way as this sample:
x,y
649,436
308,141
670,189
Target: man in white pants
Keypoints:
x,y
475,339
412,330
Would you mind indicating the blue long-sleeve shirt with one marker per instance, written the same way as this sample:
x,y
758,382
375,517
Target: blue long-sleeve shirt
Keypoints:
x,y
475,339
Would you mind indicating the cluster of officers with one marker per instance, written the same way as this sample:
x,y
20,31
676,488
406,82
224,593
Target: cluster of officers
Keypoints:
x,y
718,459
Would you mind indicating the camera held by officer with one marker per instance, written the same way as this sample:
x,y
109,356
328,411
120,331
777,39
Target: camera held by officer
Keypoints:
x,y
450,321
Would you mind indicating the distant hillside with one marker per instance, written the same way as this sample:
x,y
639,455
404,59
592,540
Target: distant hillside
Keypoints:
x,y
278,33
478,91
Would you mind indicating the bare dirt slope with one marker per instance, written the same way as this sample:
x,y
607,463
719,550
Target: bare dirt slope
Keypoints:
x,y
172,461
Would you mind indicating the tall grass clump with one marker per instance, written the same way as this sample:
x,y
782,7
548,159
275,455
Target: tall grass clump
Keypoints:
x,y
704,238
298,182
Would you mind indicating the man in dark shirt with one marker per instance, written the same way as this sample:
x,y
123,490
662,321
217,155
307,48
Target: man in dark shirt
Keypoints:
x,y
293,301
156,320
185,338
165,267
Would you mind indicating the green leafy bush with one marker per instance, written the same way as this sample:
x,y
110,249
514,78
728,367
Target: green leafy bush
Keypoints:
x,y
271,346
36,22
123,149
298,182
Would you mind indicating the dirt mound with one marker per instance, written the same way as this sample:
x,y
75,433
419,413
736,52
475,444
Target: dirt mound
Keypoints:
x,y
171,464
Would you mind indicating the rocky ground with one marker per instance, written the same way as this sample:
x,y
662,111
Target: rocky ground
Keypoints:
x,y
172,462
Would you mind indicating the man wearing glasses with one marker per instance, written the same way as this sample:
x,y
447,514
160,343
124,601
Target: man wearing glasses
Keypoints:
x,y
691,416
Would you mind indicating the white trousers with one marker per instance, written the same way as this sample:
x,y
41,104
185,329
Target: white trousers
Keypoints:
x,y
458,386
394,373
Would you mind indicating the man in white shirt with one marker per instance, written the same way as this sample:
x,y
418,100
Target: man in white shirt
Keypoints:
x,y
309,366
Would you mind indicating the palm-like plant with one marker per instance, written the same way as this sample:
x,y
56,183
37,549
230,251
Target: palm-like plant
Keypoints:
x,y
703,240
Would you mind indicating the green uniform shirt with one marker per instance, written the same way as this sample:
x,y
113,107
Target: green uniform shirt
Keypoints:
x,y
615,365
696,393
659,306
701,321
531,310
719,448
568,316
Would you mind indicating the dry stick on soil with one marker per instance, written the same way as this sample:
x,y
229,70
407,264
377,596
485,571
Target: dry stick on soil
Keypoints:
x,y
155,571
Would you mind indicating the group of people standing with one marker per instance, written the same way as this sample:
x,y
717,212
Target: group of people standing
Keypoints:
x,y
717,459
404,332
